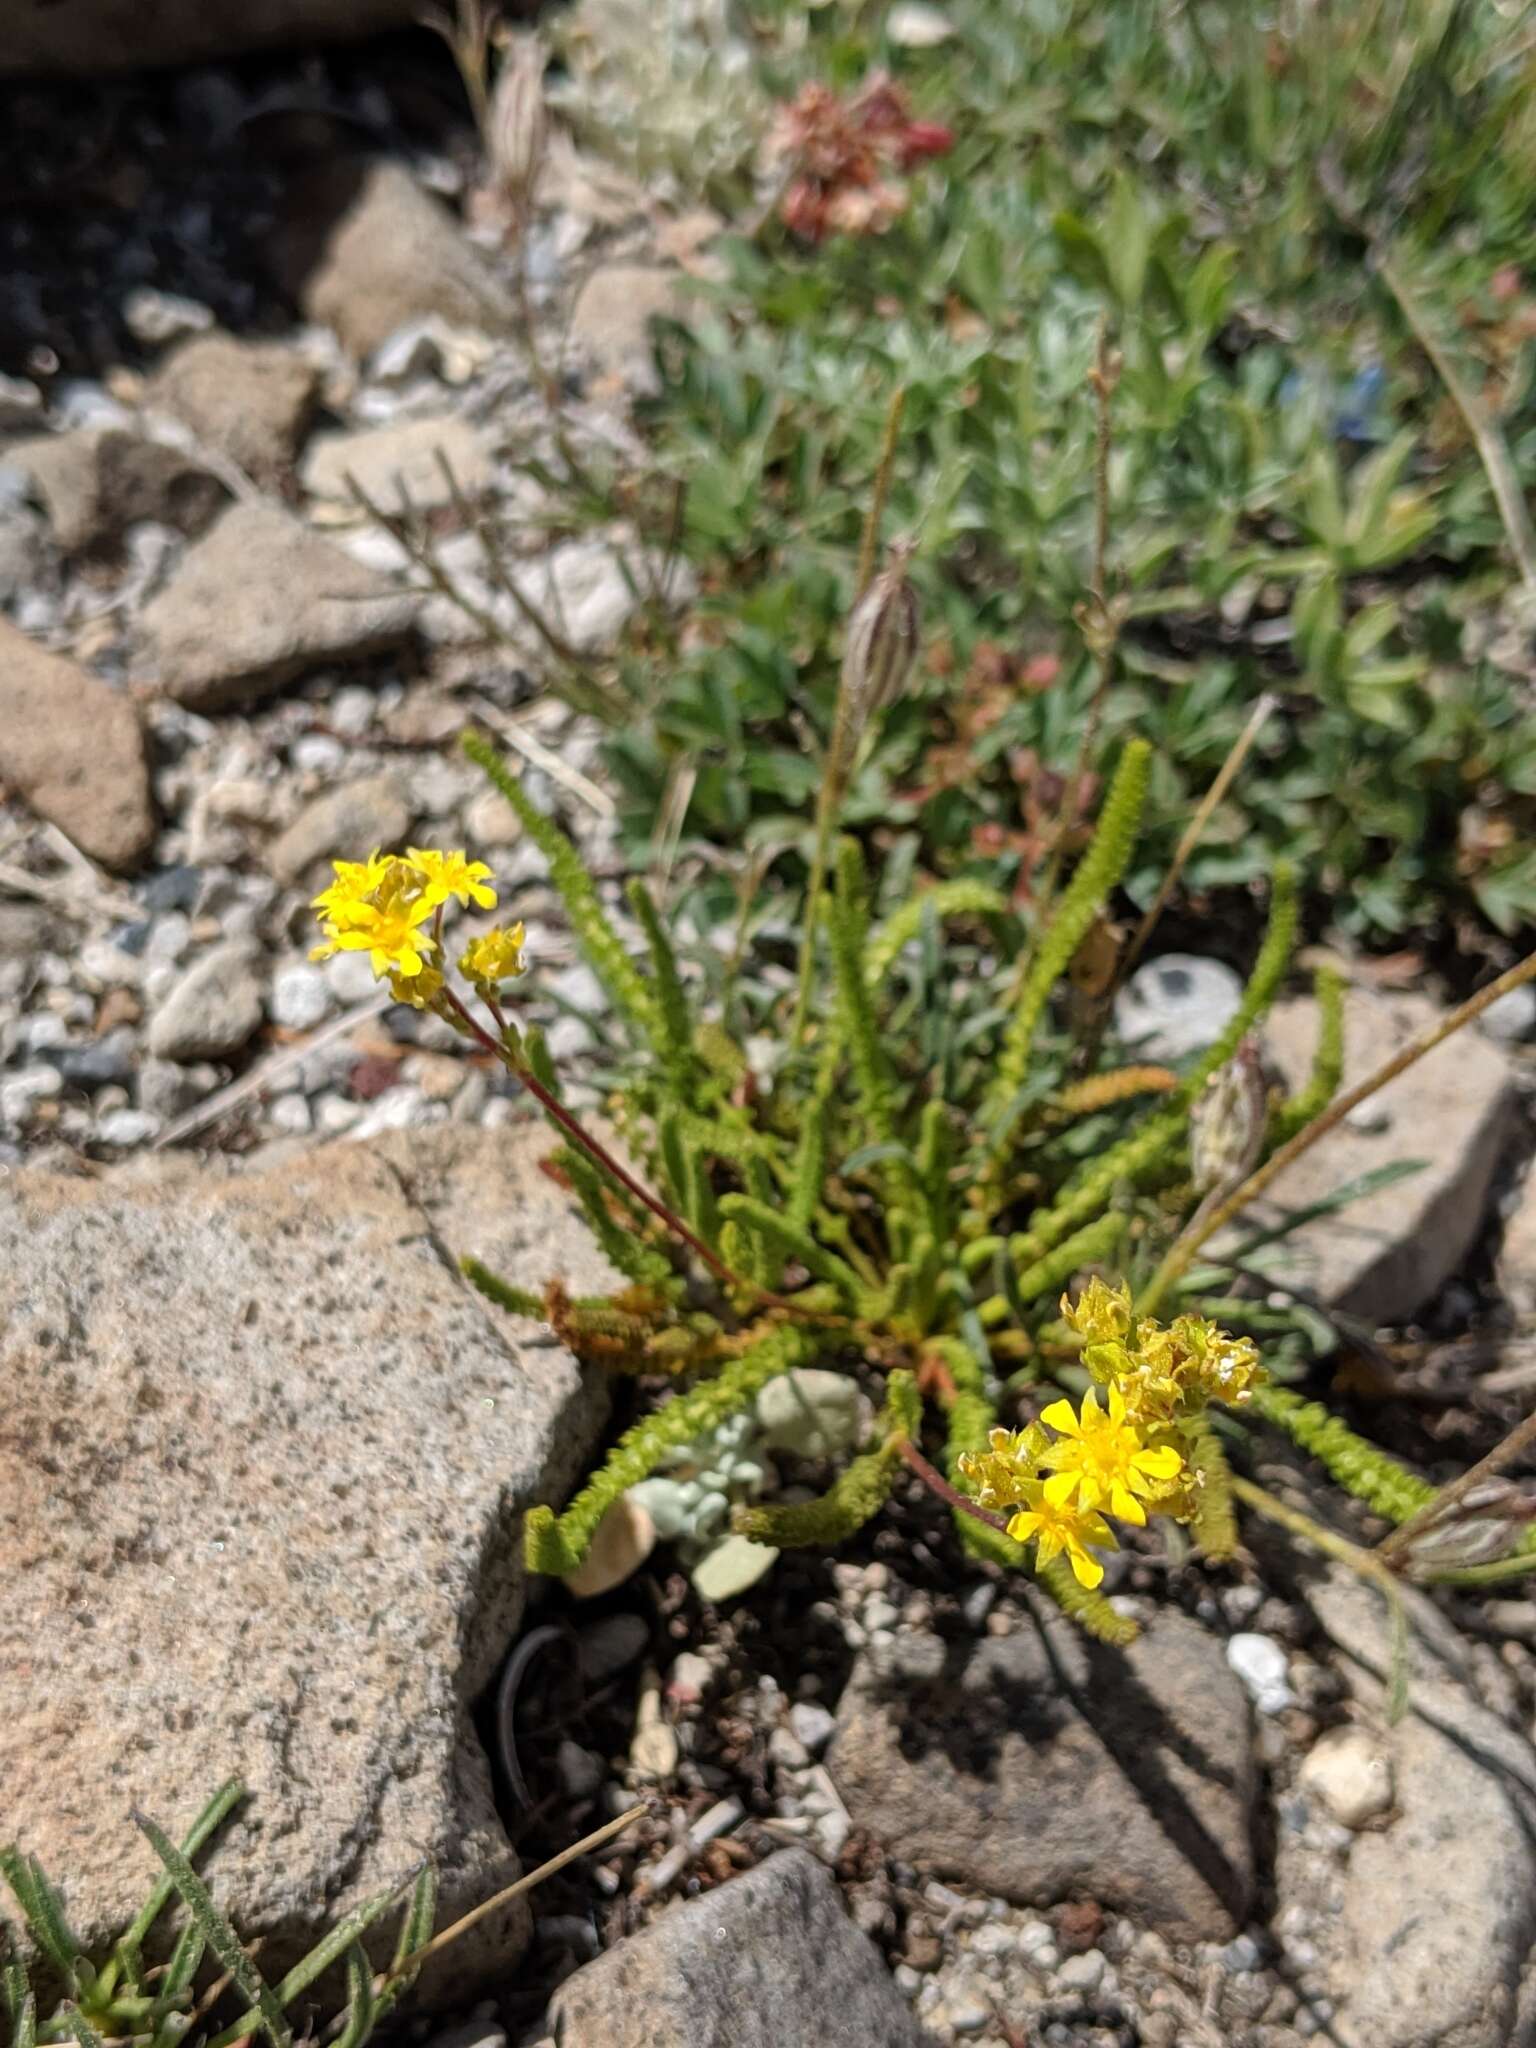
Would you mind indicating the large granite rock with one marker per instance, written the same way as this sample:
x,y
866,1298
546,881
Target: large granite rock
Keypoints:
x,y
72,748
257,602
262,1457
1044,1766
1429,1937
1382,1257
769,1959
80,38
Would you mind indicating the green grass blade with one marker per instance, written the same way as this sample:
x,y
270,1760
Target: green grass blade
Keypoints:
x,y
212,1817
41,1909
220,1936
362,2007
416,1931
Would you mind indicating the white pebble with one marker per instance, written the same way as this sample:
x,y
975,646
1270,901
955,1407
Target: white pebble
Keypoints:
x,y
1260,1663
300,998
290,1114
812,1724
19,1092
127,1127
1350,1774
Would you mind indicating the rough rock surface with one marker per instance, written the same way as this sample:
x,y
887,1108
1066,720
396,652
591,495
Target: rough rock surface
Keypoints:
x,y
400,463
94,481
346,823
1434,1941
1383,1257
259,600
1045,1767
767,1959
248,400
611,319
261,1458
364,250
72,748
84,37
212,1010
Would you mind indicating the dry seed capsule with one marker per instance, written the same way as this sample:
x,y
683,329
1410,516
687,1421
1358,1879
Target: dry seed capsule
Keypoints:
x,y
878,656
1483,1526
1226,1121
517,127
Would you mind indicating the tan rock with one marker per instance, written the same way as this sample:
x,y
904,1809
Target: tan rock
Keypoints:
x,y
249,400
363,249
1383,1256
72,749
262,1457
94,481
346,824
401,463
260,600
611,320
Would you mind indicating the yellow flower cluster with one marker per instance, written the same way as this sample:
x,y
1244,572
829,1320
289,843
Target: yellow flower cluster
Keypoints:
x,y
1063,1474
380,907
495,957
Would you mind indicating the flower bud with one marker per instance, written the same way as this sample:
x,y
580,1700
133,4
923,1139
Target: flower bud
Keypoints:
x,y
517,127
878,656
1226,1121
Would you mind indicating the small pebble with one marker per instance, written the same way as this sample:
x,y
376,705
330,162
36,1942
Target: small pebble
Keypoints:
x,y
300,997
1241,1955
1262,1666
1350,1774
1082,1975
813,1725
127,1127
291,1115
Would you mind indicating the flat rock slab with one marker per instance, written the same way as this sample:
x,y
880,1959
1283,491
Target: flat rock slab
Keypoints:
x,y
1044,1766
72,748
262,1458
260,600
400,465
768,1960
1431,1940
1383,1256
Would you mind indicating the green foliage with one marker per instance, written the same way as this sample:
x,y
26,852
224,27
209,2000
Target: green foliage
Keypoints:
x,y
1360,1467
869,1203
1295,507
559,1543
118,1995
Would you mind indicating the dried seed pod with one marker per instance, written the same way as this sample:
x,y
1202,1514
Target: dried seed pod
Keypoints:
x,y
517,126
1226,1121
878,656
1480,1528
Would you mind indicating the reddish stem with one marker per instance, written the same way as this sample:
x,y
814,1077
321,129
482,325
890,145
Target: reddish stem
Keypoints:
x,y
935,1481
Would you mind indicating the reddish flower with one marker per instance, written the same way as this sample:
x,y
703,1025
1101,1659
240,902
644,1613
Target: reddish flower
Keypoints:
x,y
842,151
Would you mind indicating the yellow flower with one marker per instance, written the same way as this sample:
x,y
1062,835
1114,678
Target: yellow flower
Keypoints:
x,y
494,957
1101,1460
1001,1477
421,991
450,874
1101,1314
1056,1527
355,880
1199,1360
381,921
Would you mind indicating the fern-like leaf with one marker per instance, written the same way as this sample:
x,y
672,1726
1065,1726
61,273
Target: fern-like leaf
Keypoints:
x,y
1096,875
1322,1083
595,934
1215,1519
773,1228
962,897
1086,1605
671,1003
557,1544
1360,1467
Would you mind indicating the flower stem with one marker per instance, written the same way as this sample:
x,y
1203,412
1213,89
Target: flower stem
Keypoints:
x,y
936,1483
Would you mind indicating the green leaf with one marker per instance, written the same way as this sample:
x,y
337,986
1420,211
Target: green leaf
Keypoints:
x,y
43,1913
220,1936
208,1822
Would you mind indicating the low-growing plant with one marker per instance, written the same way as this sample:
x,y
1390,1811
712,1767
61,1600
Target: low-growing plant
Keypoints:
x,y
158,1986
905,1181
